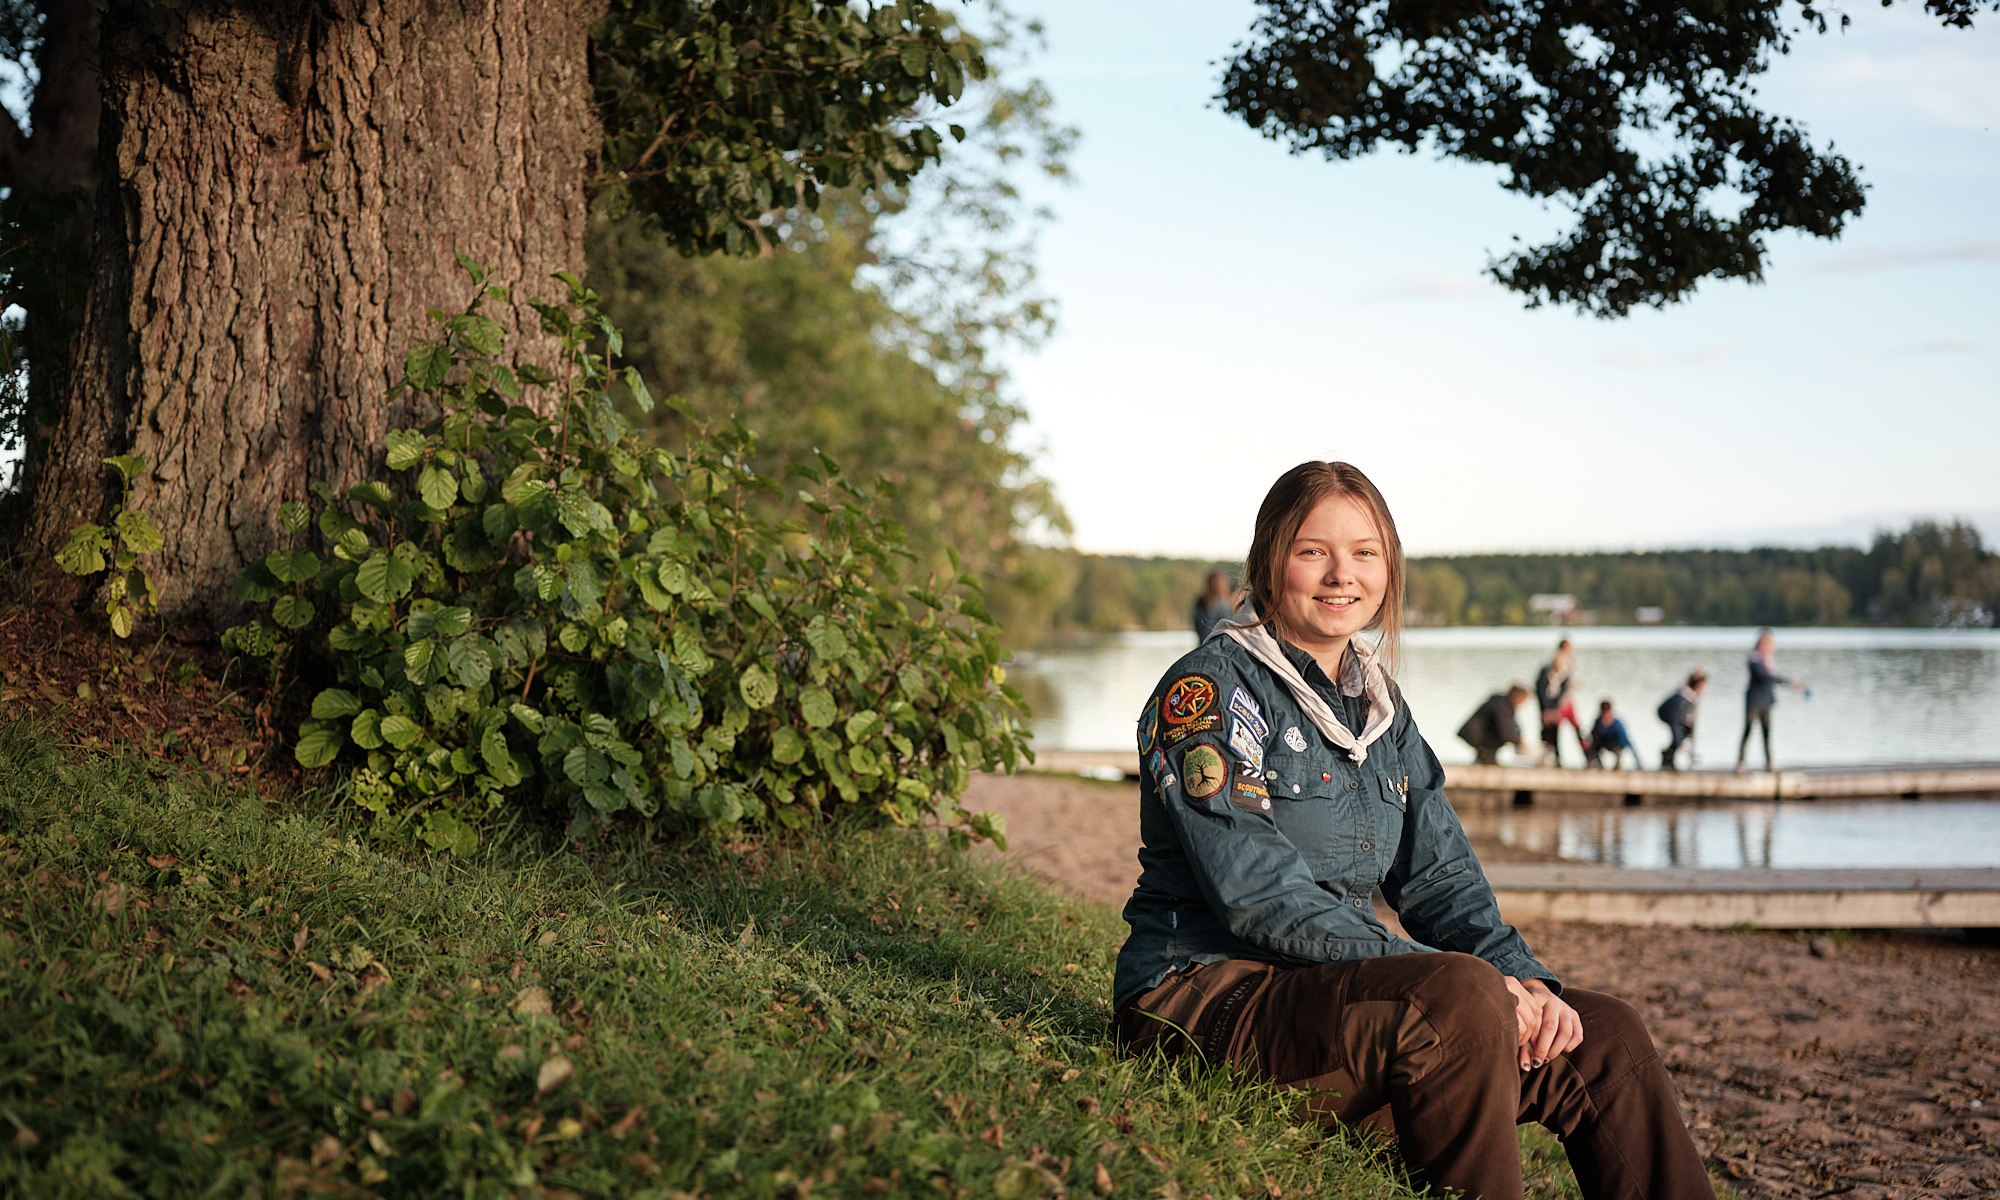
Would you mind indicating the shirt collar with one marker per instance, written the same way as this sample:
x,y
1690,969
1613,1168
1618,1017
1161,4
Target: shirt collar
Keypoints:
x,y
1353,680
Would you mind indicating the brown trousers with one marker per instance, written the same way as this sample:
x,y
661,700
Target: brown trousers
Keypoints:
x,y
1431,1040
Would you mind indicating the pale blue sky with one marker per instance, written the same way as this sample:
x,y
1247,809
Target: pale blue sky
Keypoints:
x,y
1229,310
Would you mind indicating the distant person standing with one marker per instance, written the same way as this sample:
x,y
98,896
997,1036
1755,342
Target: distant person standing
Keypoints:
x,y
1761,696
1608,735
1552,695
1213,606
1492,726
1678,712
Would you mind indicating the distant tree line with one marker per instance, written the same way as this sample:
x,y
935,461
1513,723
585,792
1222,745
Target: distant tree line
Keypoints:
x,y
1931,574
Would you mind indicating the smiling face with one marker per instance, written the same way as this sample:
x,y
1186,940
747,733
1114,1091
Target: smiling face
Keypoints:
x,y
1336,576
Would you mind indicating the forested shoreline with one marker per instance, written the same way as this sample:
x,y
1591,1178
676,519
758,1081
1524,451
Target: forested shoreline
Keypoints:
x,y
1929,575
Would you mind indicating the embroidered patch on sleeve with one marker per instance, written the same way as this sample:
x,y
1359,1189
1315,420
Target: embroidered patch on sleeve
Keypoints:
x,y
1187,700
1174,735
1246,744
1247,789
1295,739
1149,727
1206,773
1245,709
1156,762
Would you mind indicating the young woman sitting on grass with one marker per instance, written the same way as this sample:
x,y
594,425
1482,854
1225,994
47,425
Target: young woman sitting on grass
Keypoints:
x,y
1283,782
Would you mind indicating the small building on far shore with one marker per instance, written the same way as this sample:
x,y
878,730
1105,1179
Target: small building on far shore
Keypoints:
x,y
1560,607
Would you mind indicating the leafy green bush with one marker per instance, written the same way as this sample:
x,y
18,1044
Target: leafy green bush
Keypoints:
x,y
548,608
128,590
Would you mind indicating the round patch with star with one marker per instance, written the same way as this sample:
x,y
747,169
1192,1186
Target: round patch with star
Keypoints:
x,y
1187,698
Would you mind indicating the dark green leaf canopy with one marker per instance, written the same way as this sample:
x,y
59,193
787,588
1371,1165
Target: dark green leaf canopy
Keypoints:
x,y
1641,118
718,112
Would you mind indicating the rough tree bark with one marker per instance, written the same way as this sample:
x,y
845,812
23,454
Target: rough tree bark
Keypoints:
x,y
282,189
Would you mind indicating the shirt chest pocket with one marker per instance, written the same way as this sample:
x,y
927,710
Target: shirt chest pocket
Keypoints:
x,y
1324,807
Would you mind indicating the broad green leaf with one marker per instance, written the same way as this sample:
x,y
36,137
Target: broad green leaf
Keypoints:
x,y
573,638
291,566
687,648
128,466
445,622
673,577
417,658
437,487
400,731
334,703
318,744
862,725
138,532
480,333
405,449
256,584
515,490
468,660
367,729
426,366
293,611
817,707
787,746
83,553
759,686
586,766
375,495
385,578
442,831
294,516
121,619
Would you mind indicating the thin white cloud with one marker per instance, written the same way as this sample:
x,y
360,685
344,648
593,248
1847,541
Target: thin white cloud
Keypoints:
x,y
1427,287
1913,256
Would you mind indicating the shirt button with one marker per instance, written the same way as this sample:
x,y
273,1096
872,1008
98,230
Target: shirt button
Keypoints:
x,y
1359,902
1354,783
1295,789
1368,845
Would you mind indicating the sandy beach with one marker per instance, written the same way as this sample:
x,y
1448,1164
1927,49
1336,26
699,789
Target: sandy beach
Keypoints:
x,y
1864,1066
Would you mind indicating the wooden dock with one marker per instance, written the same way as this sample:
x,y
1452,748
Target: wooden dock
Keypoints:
x,y
1761,898
1523,784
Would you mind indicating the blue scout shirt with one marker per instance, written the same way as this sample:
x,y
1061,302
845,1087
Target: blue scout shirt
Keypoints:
x,y
1262,840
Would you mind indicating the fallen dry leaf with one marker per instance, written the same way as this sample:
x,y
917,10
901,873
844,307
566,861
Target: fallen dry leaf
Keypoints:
x,y
629,1121
299,939
327,1149
533,1001
110,898
26,1138
556,1071
319,972
160,862
1102,1183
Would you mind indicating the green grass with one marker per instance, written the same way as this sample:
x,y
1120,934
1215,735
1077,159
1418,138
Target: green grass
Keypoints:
x,y
274,1005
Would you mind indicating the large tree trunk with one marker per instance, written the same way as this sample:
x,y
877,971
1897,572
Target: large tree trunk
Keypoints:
x,y
282,187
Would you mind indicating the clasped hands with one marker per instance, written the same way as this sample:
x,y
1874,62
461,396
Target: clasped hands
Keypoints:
x,y
1548,1025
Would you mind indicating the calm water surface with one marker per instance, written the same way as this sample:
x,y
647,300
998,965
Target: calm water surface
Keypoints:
x,y
1878,696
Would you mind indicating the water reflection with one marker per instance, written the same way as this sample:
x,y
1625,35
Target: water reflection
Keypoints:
x,y
1797,834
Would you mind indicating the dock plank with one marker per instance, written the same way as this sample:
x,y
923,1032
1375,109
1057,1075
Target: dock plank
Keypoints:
x,y
1762,898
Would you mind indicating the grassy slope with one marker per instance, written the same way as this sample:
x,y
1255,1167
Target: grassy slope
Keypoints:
x,y
203,995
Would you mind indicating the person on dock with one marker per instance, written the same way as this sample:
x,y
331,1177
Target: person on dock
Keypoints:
x,y
1284,780
1552,695
1492,725
1213,606
1761,695
1678,711
1608,736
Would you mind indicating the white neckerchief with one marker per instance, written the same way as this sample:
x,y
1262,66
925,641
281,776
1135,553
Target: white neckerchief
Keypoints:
x,y
1374,683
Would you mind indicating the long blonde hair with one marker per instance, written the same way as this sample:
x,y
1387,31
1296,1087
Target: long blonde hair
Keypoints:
x,y
1296,493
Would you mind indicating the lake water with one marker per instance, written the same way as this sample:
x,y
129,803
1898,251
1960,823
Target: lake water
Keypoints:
x,y
1818,834
1878,695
